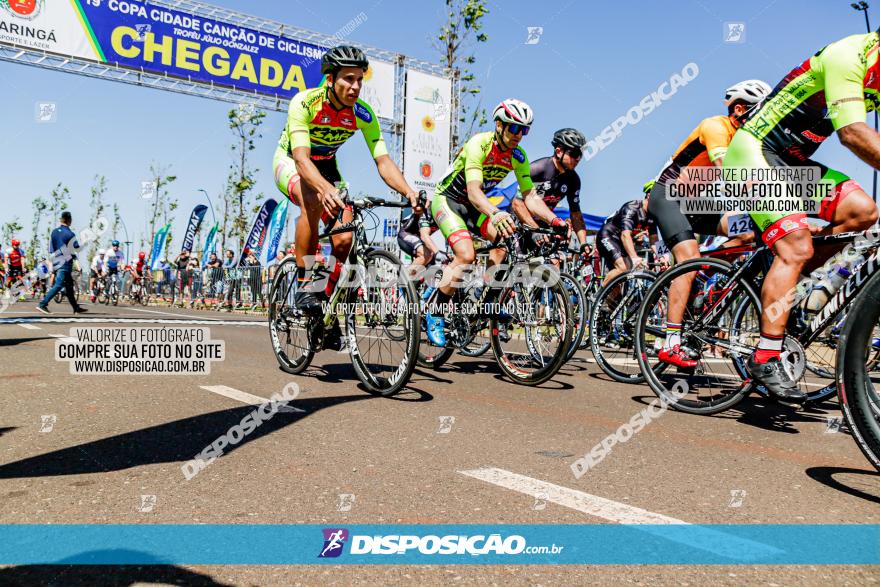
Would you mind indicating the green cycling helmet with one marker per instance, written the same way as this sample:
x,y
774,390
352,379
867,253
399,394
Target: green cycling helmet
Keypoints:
x,y
648,186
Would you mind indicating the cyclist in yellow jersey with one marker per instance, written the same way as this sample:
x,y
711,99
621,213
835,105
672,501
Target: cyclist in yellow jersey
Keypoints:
x,y
460,205
828,93
319,121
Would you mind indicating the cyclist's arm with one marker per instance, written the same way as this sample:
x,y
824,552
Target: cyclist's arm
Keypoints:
x,y
577,217
394,179
863,141
522,212
580,228
714,137
425,235
626,239
537,207
478,198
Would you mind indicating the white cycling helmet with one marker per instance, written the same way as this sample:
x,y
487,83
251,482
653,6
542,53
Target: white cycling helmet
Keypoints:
x,y
512,111
100,252
750,91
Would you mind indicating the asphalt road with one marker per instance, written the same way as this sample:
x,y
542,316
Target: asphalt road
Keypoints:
x,y
463,445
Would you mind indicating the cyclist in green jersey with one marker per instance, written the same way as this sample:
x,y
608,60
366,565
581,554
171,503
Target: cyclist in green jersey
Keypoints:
x,y
829,92
319,121
460,205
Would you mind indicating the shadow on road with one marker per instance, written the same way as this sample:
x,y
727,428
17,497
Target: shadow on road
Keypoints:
x,y
110,576
869,492
176,441
7,429
17,341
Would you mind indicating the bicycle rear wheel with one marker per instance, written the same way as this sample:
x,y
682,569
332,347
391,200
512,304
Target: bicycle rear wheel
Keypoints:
x,y
857,379
288,328
383,334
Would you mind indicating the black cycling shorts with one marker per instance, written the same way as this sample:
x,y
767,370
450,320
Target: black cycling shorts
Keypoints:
x,y
409,243
611,249
674,226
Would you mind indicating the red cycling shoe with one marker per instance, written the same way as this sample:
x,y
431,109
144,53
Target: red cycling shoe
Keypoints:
x,y
675,356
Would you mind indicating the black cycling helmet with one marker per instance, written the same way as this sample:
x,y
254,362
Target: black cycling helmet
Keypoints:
x,y
568,138
343,56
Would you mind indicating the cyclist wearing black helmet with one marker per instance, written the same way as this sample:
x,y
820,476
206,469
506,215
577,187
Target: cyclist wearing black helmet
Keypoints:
x,y
319,121
555,178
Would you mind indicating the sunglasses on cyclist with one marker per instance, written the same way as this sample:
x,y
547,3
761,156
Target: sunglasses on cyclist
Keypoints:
x,y
515,129
575,153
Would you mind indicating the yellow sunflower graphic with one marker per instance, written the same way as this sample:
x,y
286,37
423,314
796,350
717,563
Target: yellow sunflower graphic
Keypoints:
x,y
428,123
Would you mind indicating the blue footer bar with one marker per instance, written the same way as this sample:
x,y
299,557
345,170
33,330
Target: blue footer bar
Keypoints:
x,y
443,544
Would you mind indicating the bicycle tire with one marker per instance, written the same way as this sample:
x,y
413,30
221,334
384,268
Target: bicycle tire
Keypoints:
x,y
392,383
579,312
597,334
279,295
548,371
858,396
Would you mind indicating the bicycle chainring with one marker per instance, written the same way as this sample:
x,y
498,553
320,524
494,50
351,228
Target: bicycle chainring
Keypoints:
x,y
794,358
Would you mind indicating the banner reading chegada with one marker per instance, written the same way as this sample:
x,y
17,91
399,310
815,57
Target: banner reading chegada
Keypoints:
x,y
158,39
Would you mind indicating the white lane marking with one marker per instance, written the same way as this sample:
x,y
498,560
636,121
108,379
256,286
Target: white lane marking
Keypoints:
x,y
571,498
114,320
64,338
167,313
695,536
30,326
245,398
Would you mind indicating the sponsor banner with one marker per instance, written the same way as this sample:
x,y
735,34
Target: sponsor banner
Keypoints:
x,y
159,246
160,40
195,221
277,225
427,129
210,245
257,236
378,89
600,544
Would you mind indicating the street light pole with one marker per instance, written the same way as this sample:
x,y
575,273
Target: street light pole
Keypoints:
x,y
127,241
863,8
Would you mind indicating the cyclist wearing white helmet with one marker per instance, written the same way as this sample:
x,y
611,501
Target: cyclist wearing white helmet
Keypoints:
x,y
460,205
705,146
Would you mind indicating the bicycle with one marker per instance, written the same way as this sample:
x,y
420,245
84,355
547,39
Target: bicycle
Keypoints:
x,y
380,300
139,293
721,330
523,317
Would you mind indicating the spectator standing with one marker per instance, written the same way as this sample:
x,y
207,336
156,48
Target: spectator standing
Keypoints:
x,y
62,247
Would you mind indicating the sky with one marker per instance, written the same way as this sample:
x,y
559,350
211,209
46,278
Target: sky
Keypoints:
x,y
592,62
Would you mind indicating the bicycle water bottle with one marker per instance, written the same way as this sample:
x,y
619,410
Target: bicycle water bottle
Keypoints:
x,y
826,288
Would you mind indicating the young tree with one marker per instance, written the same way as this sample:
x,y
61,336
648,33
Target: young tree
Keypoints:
x,y
244,122
57,204
160,178
455,43
11,229
97,205
37,245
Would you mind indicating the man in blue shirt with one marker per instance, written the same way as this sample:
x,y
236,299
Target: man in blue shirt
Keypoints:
x,y
62,250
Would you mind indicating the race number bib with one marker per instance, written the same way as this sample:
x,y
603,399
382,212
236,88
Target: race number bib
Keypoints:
x,y
660,246
739,224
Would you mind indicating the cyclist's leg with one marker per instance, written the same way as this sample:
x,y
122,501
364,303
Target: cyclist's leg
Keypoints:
x,y
611,251
678,235
449,216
